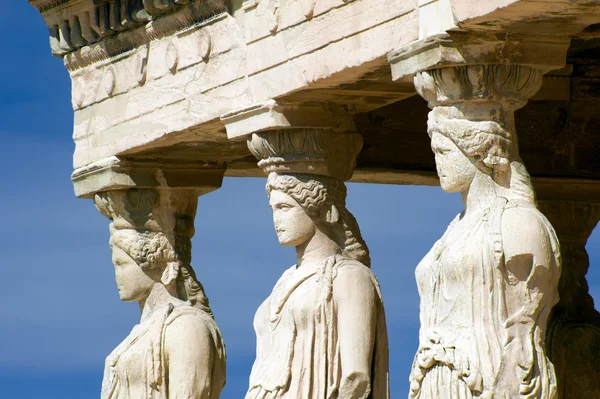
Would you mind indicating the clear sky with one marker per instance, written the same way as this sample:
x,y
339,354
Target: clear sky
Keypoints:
x,y
60,313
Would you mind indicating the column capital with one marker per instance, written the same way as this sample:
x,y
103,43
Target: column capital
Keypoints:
x,y
511,85
114,173
543,53
304,150
315,138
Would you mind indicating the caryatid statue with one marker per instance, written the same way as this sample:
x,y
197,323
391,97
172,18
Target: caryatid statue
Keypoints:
x,y
321,333
176,351
488,285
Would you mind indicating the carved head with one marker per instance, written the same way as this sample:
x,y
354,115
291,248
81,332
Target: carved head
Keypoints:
x,y
142,259
303,203
456,172
150,236
473,106
293,225
486,143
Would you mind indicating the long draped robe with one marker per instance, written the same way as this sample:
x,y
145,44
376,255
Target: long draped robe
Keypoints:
x,y
465,314
138,367
298,352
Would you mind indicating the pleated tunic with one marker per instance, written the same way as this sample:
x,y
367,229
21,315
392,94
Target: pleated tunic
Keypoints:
x,y
138,367
465,318
298,353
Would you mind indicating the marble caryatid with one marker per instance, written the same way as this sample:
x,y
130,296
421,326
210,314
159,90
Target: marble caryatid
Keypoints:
x,y
321,333
176,350
488,285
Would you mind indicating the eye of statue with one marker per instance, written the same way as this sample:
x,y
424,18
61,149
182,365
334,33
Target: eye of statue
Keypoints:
x,y
283,207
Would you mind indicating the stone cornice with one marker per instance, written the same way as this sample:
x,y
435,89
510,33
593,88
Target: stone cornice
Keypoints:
x,y
45,5
92,30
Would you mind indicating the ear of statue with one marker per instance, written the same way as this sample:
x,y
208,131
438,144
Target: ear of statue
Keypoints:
x,y
170,273
332,216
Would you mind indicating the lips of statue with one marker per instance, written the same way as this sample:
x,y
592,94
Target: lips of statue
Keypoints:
x,y
455,170
132,282
293,226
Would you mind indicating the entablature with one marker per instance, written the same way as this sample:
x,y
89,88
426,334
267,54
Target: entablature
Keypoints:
x,y
152,79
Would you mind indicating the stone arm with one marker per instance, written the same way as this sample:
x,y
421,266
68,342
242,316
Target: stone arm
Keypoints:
x,y
190,357
356,300
530,278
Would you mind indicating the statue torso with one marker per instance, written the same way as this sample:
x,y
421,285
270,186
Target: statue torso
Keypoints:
x,y
127,367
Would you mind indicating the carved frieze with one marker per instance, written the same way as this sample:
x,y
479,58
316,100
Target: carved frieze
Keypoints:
x,y
74,25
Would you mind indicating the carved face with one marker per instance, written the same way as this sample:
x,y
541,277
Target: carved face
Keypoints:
x,y
455,170
293,226
132,282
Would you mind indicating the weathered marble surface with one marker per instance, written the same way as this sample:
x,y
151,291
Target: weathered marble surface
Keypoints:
x,y
176,350
488,285
321,333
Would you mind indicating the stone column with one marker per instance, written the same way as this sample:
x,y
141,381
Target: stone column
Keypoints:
x,y
573,337
176,350
487,286
308,343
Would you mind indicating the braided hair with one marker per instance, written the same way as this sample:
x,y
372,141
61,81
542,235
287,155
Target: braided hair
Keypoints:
x,y
315,194
152,250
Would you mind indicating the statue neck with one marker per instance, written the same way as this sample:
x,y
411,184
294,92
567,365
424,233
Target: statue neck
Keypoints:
x,y
159,295
316,249
481,193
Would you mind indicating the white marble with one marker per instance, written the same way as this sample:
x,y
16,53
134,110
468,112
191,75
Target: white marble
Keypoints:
x,y
488,285
176,350
321,333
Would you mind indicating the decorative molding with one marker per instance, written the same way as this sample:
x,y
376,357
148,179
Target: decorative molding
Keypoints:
x,y
45,5
567,189
92,30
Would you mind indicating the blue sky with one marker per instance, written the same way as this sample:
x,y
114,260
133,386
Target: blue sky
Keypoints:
x,y
61,314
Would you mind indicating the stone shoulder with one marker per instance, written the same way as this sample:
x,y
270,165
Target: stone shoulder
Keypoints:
x,y
525,230
187,319
356,273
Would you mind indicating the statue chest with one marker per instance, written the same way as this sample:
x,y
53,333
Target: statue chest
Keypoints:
x,y
128,367
452,277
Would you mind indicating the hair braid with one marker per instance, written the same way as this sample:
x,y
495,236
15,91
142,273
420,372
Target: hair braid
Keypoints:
x,y
313,193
